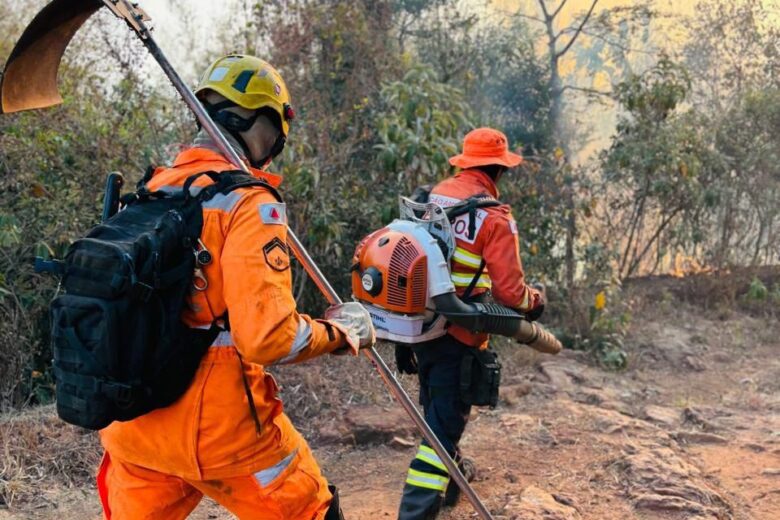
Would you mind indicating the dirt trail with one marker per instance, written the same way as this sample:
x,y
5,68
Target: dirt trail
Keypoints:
x,y
691,430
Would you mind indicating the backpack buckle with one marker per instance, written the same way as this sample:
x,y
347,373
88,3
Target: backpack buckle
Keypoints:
x,y
120,393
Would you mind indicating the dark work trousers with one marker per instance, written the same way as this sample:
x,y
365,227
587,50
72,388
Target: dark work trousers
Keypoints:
x,y
438,363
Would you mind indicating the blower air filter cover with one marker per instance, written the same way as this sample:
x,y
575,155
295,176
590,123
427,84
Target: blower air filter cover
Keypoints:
x,y
372,281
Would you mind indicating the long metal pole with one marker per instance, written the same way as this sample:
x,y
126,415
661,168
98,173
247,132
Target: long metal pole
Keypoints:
x,y
311,267
392,383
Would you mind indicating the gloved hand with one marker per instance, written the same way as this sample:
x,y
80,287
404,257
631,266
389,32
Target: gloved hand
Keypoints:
x,y
354,321
535,313
405,360
539,299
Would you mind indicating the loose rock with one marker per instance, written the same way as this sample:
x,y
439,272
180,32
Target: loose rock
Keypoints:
x,y
513,394
400,443
699,438
662,415
369,424
537,504
658,478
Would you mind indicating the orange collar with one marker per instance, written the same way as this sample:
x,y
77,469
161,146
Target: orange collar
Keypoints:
x,y
195,154
480,178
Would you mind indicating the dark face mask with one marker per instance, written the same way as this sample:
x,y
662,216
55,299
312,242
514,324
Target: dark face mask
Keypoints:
x,y
494,171
235,125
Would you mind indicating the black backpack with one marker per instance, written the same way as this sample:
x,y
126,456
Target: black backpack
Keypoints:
x,y
120,346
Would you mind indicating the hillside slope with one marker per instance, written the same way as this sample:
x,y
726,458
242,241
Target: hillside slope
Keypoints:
x,y
691,430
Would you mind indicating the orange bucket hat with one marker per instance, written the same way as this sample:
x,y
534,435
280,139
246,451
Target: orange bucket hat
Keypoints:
x,y
485,146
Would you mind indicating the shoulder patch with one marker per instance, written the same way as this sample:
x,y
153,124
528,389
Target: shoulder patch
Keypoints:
x,y
513,227
460,226
273,213
276,255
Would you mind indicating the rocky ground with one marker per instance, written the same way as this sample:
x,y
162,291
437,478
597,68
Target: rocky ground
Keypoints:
x,y
690,430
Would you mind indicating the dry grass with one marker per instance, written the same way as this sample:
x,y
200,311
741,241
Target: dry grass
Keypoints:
x,y
39,451
320,390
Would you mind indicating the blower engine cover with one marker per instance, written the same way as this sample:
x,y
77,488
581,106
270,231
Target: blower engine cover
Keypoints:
x,y
395,275
396,272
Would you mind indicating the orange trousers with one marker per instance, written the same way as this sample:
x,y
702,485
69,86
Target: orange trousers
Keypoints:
x,y
130,492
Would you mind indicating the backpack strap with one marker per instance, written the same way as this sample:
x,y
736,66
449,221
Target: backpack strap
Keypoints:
x,y
470,206
227,181
214,176
148,174
473,283
223,182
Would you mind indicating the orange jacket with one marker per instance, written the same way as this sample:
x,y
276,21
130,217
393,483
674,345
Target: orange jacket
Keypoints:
x,y
495,241
209,432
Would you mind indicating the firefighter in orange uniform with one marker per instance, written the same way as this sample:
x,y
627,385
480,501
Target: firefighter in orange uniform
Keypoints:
x,y
486,262
227,437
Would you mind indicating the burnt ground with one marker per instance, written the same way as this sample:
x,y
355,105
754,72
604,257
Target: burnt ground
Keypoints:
x,y
690,430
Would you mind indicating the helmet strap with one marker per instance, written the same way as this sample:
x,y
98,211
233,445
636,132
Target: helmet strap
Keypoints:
x,y
276,149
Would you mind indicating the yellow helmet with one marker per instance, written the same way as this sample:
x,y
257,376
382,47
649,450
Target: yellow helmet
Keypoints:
x,y
251,83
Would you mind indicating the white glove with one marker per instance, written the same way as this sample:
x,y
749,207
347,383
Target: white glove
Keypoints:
x,y
353,319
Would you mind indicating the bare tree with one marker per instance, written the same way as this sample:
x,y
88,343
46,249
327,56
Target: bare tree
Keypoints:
x,y
559,43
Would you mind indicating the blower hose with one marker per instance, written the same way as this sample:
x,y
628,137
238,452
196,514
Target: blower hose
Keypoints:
x,y
496,319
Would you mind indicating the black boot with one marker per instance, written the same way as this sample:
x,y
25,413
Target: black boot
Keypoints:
x,y
469,470
334,511
420,504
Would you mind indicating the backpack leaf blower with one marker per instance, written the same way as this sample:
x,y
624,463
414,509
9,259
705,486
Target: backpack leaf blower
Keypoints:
x,y
401,274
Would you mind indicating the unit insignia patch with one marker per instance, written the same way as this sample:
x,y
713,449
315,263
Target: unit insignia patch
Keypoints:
x,y
276,255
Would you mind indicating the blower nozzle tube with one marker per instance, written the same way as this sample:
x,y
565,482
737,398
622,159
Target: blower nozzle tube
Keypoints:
x,y
496,319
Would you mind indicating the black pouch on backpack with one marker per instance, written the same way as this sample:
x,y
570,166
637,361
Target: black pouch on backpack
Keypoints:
x,y
480,378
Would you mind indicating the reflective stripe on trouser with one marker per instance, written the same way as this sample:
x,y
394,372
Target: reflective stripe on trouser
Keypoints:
x,y
292,489
427,480
439,372
436,479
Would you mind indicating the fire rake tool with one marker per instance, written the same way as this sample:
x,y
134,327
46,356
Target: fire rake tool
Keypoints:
x,y
35,61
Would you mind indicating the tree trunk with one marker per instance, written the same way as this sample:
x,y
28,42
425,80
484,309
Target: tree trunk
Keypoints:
x,y
557,124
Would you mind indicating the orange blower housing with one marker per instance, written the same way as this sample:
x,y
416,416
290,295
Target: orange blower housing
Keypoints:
x,y
397,272
391,271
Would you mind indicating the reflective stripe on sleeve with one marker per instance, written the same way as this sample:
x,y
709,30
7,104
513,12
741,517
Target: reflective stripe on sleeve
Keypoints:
x,y
223,202
429,456
427,480
464,280
467,258
223,339
302,339
525,303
